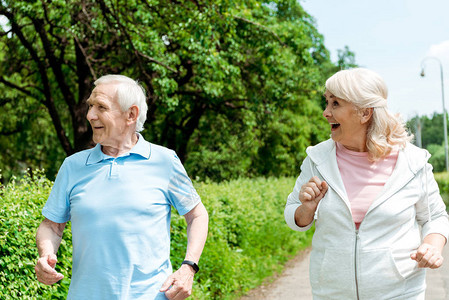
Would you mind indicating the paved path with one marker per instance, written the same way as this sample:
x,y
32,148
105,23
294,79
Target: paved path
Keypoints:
x,y
293,283
438,280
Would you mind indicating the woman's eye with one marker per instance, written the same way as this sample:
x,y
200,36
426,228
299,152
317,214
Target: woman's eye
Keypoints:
x,y
335,103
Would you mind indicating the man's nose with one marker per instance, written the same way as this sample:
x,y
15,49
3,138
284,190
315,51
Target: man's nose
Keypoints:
x,y
91,114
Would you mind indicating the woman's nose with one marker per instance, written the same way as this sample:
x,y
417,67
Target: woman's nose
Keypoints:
x,y
326,112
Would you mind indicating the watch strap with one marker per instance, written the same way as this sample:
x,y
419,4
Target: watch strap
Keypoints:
x,y
192,264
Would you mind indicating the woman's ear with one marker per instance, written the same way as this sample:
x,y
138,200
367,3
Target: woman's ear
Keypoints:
x,y
133,114
366,114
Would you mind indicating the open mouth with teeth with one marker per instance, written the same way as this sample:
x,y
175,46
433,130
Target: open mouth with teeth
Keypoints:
x,y
335,125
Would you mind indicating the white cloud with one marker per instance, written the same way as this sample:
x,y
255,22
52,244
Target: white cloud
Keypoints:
x,y
440,51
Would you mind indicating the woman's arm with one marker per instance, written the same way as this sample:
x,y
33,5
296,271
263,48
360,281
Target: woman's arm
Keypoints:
x,y
428,254
310,195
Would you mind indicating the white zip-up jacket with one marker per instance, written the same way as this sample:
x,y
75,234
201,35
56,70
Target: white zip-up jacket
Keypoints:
x,y
374,261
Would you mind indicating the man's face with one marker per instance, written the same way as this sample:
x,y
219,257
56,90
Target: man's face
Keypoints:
x,y
108,121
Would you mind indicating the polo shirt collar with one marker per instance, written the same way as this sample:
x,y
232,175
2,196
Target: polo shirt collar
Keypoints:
x,y
142,148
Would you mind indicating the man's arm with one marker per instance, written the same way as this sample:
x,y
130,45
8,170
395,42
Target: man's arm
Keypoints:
x,y
181,281
48,239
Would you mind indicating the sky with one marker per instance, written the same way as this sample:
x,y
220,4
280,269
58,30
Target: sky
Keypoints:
x,y
393,38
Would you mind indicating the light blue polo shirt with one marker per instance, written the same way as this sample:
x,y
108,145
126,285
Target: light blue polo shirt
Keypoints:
x,y
120,213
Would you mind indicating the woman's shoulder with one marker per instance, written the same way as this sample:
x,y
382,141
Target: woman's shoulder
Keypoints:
x,y
321,151
320,147
416,156
411,149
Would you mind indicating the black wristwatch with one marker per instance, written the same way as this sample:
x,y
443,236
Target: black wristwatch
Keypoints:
x,y
192,264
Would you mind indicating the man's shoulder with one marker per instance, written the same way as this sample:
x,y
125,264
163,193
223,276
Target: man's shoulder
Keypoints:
x,y
158,151
79,157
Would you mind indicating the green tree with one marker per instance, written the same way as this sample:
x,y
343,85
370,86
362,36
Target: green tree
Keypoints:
x,y
438,158
432,131
346,59
245,71
432,137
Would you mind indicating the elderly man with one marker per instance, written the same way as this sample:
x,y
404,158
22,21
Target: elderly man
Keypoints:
x,y
118,196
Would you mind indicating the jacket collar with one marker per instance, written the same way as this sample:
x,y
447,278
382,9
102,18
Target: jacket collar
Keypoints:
x,y
410,161
141,148
324,157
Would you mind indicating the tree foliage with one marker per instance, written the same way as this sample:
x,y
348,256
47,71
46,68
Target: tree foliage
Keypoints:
x,y
233,86
346,58
431,131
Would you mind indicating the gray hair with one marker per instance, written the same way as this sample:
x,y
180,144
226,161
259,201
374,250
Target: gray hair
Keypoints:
x,y
129,92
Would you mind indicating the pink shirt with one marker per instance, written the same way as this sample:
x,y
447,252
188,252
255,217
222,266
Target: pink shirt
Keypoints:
x,y
363,180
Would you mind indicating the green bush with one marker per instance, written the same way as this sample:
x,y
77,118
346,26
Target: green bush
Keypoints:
x,y
443,183
438,158
20,215
248,239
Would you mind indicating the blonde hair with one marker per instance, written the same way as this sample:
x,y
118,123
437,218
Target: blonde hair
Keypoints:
x,y
366,89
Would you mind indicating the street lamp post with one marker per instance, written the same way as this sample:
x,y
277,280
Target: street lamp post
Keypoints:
x,y
444,107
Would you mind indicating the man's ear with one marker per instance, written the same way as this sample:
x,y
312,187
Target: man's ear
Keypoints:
x,y
133,114
366,114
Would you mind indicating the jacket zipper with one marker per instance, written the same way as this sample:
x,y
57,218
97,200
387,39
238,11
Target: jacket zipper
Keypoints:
x,y
355,264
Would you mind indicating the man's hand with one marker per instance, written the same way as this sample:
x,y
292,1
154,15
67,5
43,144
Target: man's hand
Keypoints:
x,y
45,270
428,256
178,285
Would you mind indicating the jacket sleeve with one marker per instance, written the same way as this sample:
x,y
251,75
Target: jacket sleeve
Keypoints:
x,y
293,199
430,209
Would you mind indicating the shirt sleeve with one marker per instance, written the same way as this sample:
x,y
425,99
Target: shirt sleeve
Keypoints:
x,y
293,199
57,207
431,210
182,194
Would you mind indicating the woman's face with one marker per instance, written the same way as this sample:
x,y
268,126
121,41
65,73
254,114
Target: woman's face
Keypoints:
x,y
348,125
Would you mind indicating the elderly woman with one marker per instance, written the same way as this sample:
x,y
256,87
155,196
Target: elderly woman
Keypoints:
x,y
379,218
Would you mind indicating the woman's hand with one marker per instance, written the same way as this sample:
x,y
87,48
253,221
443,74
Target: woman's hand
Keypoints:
x,y
310,195
428,256
312,192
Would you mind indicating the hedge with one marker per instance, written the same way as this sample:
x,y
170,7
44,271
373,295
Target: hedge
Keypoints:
x,y
20,206
248,239
443,183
